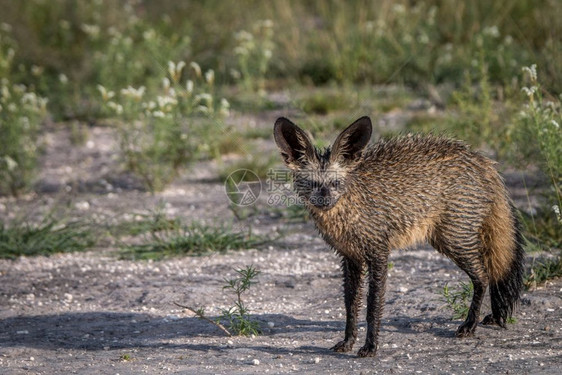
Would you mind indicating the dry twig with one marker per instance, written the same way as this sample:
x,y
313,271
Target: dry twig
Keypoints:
x,y
202,316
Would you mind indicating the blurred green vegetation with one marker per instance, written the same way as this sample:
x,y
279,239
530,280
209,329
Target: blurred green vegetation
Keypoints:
x,y
120,43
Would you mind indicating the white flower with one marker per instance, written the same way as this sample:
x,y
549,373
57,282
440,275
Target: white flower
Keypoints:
x,y
106,95
158,114
150,105
63,78
204,98
149,34
37,70
423,38
10,163
165,83
196,68
225,108
529,91
42,103
189,86
210,76
166,102
175,70
240,50
19,88
491,31
243,36
203,109
531,71
29,98
5,91
5,27
133,93
91,30
118,108
556,210
235,74
556,125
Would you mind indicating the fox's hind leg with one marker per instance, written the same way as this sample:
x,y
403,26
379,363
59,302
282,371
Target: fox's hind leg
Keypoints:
x,y
464,251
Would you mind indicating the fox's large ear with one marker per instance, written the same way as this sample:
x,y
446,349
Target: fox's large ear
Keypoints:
x,y
349,145
296,147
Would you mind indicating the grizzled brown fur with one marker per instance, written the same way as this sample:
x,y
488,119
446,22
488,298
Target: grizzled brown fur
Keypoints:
x,y
367,200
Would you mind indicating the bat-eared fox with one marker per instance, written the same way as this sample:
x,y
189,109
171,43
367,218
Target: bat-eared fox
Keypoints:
x,y
366,200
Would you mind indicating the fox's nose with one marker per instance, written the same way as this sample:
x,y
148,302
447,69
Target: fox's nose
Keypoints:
x,y
323,198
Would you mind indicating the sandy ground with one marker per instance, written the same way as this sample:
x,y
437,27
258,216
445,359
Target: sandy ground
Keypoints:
x,y
92,313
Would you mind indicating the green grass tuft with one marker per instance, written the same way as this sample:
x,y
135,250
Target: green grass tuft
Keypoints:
x,y
48,237
543,271
458,299
195,239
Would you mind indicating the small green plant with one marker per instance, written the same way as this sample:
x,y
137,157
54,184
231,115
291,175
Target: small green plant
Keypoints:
x,y
194,239
538,134
543,271
238,316
476,121
253,52
50,236
458,300
126,357
543,229
165,129
21,113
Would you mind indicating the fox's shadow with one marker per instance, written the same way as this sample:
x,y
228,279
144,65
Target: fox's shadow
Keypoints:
x,y
115,330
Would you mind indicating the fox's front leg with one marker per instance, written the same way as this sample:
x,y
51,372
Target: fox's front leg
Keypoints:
x,y
378,269
352,273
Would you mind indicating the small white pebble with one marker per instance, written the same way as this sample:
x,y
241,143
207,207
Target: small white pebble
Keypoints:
x,y
24,332
230,342
31,358
270,324
317,360
255,362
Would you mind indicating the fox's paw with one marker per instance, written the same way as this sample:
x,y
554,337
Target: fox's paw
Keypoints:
x,y
489,320
466,329
343,346
367,351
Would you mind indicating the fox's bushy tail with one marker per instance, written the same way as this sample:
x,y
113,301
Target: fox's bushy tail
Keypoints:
x,y
506,283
